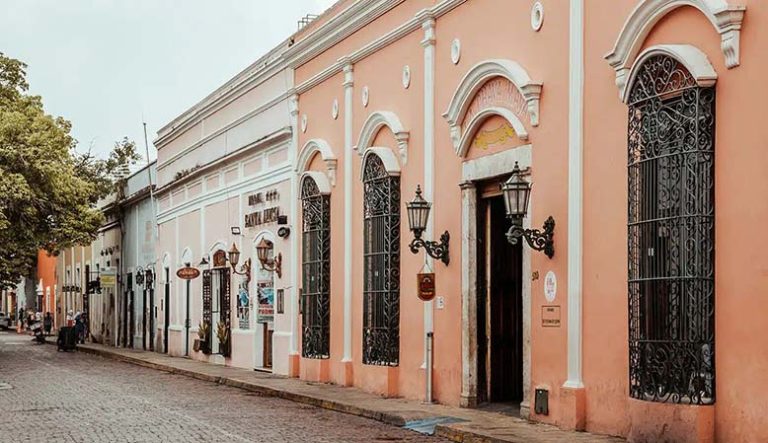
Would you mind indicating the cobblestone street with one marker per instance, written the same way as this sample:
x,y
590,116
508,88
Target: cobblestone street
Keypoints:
x,y
74,397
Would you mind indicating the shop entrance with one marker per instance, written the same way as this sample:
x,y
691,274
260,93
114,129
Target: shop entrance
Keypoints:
x,y
499,304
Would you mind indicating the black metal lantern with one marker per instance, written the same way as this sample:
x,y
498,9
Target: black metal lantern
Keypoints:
x,y
139,276
149,277
517,194
263,248
418,215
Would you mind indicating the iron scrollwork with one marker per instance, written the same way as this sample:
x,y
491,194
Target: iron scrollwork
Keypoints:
x,y
671,235
436,250
316,275
538,240
381,288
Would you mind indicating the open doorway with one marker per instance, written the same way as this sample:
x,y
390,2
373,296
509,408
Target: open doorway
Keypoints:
x,y
499,306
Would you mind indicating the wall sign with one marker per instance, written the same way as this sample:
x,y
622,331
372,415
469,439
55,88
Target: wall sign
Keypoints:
x,y
550,286
263,216
550,316
188,273
426,286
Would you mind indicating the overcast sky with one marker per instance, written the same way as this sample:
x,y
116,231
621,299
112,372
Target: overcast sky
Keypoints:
x,y
106,64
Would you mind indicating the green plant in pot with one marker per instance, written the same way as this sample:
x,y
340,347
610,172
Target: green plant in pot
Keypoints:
x,y
222,333
201,343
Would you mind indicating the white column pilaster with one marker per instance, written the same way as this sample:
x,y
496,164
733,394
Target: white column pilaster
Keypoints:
x,y
575,191
348,154
293,104
428,43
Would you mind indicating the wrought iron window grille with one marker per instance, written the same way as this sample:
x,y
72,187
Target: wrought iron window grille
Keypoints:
x,y
671,206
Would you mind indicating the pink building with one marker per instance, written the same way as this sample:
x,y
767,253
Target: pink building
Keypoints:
x,y
604,318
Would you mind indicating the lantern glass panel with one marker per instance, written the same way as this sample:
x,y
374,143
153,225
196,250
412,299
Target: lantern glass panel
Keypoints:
x,y
517,192
234,255
262,250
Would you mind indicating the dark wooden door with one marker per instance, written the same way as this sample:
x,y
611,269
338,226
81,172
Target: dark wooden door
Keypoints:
x,y
167,310
499,306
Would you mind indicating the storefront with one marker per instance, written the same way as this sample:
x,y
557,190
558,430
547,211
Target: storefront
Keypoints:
x,y
225,217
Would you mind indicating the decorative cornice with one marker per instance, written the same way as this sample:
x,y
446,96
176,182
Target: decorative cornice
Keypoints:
x,y
477,76
725,18
307,152
377,120
282,135
409,26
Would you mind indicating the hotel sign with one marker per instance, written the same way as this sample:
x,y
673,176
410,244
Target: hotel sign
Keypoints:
x,y
263,216
550,316
426,286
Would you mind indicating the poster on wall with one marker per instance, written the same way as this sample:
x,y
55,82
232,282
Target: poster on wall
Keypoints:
x,y
266,294
243,305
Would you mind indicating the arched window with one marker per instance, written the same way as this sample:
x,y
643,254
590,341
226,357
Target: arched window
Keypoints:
x,y
671,235
381,287
316,271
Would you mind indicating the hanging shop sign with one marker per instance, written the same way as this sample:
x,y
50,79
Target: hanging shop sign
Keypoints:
x,y
108,278
266,215
425,283
188,273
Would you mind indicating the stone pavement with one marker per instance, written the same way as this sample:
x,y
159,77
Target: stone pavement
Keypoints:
x,y
50,397
475,425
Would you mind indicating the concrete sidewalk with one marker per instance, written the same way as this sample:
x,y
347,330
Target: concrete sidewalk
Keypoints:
x,y
457,424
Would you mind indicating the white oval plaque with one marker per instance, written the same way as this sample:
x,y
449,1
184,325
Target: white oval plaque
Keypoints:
x,y
550,286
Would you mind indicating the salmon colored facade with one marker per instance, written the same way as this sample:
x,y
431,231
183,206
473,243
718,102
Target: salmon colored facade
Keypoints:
x,y
46,274
449,95
636,121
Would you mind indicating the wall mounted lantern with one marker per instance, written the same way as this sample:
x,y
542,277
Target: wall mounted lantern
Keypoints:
x,y
234,259
139,276
269,264
204,261
149,277
517,193
418,214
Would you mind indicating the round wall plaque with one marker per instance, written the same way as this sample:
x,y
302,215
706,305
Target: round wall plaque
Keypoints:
x,y
304,123
335,109
365,96
406,76
550,287
537,16
456,51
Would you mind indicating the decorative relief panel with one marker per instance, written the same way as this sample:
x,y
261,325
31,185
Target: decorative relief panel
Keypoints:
x,y
497,93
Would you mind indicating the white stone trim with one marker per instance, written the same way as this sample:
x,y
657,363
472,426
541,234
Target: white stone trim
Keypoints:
x,y
408,27
377,120
320,179
388,158
349,89
725,18
465,142
475,78
694,60
321,146
479,169
497,164
428,43
575,192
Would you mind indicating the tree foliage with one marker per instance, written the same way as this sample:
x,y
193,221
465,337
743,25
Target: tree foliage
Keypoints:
x,y
48,191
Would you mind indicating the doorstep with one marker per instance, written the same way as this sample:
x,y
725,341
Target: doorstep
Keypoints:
x,y
457,424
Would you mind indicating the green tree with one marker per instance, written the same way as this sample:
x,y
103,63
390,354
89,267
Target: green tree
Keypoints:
x,y
48,191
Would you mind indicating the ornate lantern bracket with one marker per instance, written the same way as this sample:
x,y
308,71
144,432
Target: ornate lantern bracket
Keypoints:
x,y
538,240
517,194
418,214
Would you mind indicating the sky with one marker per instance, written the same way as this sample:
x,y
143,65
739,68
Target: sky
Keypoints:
x,y
109,65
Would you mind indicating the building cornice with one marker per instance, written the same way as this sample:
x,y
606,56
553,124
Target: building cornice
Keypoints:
x,y
411,25
277,137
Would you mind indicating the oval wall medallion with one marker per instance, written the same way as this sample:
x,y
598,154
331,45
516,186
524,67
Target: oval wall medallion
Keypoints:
x,y
365,96
406,76
335,109
456,51
304,123
537,16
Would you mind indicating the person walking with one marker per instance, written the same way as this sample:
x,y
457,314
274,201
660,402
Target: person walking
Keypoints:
x,y
48,323
80,329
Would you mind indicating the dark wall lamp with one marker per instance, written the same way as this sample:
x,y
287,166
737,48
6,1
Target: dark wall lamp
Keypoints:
x,y
418,214
517,193
269,264
234,259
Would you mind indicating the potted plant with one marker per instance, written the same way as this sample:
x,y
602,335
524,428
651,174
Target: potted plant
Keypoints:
x,y
222,333
201,343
